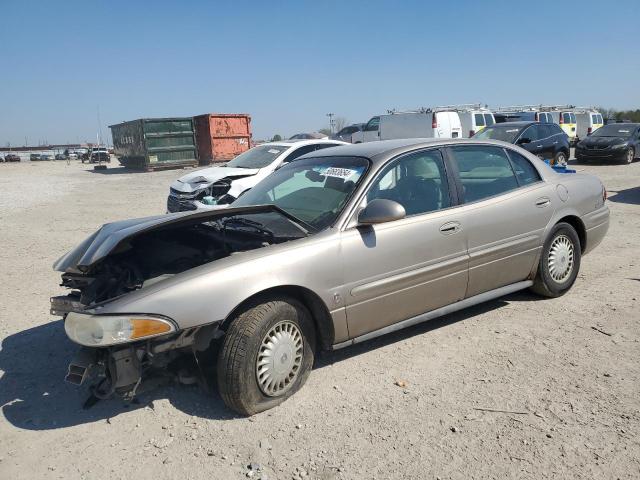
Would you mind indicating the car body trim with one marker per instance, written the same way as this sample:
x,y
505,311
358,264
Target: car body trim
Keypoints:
x,y
410,276
454,307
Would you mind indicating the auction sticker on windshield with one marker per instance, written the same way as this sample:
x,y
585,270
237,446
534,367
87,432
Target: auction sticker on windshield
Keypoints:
x,y
338,172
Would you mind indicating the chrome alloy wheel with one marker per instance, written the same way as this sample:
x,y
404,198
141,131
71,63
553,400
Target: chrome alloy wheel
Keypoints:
x,y
630,155
560,260
279,358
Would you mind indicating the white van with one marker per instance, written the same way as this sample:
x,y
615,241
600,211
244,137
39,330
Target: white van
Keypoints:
x,y
587,123
474,120
420,124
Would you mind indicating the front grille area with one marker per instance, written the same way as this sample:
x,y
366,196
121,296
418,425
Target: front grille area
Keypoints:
x,y
175,204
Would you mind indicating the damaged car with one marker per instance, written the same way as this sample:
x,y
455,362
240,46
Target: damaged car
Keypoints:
x,y
336,248
222,184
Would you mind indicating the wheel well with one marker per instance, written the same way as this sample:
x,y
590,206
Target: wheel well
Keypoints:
x,y
579,227
319,312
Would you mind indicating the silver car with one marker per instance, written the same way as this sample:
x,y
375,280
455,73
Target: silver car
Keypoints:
x,y
338,247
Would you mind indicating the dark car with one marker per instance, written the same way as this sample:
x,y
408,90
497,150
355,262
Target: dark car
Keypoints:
x,y
619,142
546,140
99,155
34,157
345,134
11,157
523,116
60,156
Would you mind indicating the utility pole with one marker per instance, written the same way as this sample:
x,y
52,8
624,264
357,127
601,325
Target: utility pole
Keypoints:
x,y
331,121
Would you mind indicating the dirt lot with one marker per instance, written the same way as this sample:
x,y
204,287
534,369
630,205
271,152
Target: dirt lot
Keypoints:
x,y
517,388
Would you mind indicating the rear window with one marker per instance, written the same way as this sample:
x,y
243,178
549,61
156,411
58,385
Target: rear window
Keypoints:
x,y
479,118
573,117
488,119
484,171
566,118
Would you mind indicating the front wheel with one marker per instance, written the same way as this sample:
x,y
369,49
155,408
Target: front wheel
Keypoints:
x,y
559,262
266,355
629,156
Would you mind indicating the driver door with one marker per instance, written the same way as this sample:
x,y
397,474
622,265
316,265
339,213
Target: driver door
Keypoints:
x,y
397,270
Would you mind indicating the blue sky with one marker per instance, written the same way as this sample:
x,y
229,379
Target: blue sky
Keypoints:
x,y
289,63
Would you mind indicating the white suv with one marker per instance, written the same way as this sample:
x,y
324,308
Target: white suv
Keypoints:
x,y
213,187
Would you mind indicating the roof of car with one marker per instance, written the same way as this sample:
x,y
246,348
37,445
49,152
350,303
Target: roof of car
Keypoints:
x,y
301,142
380,151
514,124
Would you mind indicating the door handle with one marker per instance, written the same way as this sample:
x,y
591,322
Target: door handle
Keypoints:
x,y
543,202
538,146
450,228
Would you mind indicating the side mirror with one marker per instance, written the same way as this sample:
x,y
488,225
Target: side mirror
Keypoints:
x,y
381,210
522,141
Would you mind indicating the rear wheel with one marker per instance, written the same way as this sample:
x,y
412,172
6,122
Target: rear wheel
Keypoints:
x,y
560,158
266,355
559,262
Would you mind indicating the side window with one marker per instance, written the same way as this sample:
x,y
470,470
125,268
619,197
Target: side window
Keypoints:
x,y
488,119
416,181
373,125
479,118
298,153
546,130
484,171
532,133
526,173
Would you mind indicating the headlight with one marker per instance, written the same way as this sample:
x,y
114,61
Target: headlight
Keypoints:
x,y
106,330
622,145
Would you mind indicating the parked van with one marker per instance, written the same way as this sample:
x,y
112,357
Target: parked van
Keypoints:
x,y
565,117
425,123
474,120
588,122
522,114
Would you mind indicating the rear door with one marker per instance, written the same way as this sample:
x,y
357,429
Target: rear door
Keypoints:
x,y
506,208
455,125
371,130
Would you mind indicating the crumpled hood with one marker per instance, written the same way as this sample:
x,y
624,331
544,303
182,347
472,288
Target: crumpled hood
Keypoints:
x,y
112,235
603,141
203,178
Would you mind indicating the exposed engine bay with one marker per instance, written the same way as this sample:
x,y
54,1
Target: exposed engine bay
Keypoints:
x,y
153,256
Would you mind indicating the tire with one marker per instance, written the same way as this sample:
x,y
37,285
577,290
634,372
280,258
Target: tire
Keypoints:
x,y
629,156
245,343
560,158
551,283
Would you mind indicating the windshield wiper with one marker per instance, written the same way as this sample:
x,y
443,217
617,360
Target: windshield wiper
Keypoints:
x,y
245,222
301,223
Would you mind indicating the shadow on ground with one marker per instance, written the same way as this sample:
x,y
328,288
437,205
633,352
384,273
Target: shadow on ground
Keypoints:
x,y
33,395
115,171
629,195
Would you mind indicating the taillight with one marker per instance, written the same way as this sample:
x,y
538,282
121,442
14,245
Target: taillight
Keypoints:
x,y
471,133
589,130
536,117
561,119
434,121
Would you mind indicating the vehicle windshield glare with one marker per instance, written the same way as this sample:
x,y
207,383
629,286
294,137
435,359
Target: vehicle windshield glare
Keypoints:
x,y
257,157
623,131
314,190
506,134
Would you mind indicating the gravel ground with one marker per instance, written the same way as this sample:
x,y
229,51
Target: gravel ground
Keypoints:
x,y
516,388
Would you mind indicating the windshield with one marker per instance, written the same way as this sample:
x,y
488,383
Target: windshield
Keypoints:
x,y
257,157
314,190
506,134
613,131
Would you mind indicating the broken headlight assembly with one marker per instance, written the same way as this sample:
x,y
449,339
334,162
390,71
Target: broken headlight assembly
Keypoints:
x,y
107,330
